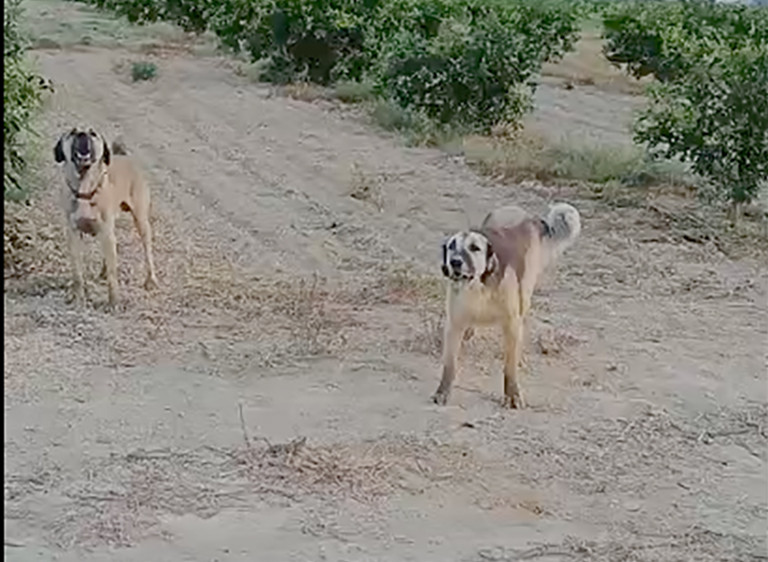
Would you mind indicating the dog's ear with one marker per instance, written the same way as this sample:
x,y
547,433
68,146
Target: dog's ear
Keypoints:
x,y
58,150
444,264
491,263
106,156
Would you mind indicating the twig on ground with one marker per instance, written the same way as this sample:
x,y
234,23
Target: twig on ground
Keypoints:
x,y
246,437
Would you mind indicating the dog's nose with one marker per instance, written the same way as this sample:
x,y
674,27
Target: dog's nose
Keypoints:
x,y
456,263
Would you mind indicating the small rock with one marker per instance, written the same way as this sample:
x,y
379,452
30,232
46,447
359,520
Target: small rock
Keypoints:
x,y
632,506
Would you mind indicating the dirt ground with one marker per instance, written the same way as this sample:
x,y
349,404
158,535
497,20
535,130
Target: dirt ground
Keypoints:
x,y
271,401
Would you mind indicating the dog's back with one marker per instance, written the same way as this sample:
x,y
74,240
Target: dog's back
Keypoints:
x,y
127,180
505,217
528,243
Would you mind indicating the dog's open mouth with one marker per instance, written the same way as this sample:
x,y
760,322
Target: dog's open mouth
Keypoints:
x,y
455,275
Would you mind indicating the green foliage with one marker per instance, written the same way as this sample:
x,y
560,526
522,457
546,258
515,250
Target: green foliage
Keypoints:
x,y
352,91
320,41
710,104
143,70
666,39
468,62
463,62
22,91
716,117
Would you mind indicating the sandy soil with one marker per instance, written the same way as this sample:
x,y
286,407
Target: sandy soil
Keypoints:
x,y
271,401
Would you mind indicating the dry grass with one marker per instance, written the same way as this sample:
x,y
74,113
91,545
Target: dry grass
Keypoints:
x,y
529,155
304,91
633,456
239,321
555,341
403,285
353,92
315,328
708,224
695,544
428,336
120,499
304,317
33,243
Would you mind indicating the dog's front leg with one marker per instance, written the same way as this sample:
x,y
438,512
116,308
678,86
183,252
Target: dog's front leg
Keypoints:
x,y
76,255
513,335
109,249
452,337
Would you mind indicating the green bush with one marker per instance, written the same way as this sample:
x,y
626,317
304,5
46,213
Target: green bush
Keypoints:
x,y
143,70
22,91
666,39
716,117
470,62
463,62
709,106
316,40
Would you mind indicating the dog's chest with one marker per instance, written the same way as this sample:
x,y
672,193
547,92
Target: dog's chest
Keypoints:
x,y
479,304
84,215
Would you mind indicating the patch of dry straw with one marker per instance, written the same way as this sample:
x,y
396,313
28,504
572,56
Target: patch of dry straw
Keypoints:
x,y
32,242
120,499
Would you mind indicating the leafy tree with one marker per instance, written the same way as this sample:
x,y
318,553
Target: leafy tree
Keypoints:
x,y
716,117
666,39
467,62
21,97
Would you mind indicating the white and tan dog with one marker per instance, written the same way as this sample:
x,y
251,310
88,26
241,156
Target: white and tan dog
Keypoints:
x,y
100,184
492,274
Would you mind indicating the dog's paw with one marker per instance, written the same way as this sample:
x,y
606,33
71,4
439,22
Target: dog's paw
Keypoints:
x,y
114,305
514,402
440,398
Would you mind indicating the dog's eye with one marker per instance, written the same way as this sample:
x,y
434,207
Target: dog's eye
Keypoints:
x,y
473,248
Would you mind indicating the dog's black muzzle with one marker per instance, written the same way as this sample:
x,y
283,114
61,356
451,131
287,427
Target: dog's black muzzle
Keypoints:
x,y
453,270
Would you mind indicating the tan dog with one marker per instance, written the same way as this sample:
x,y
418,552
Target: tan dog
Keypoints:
x,y
493,273
100,184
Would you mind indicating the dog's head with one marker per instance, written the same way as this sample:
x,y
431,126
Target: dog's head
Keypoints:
x,y
468,256
82,149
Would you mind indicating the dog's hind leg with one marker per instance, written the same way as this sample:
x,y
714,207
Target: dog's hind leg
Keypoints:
x,y
109,249
454,333
141,220
76,255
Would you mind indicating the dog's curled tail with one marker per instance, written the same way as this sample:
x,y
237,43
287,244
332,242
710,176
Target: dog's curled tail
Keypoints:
x,y
118,147
563,226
